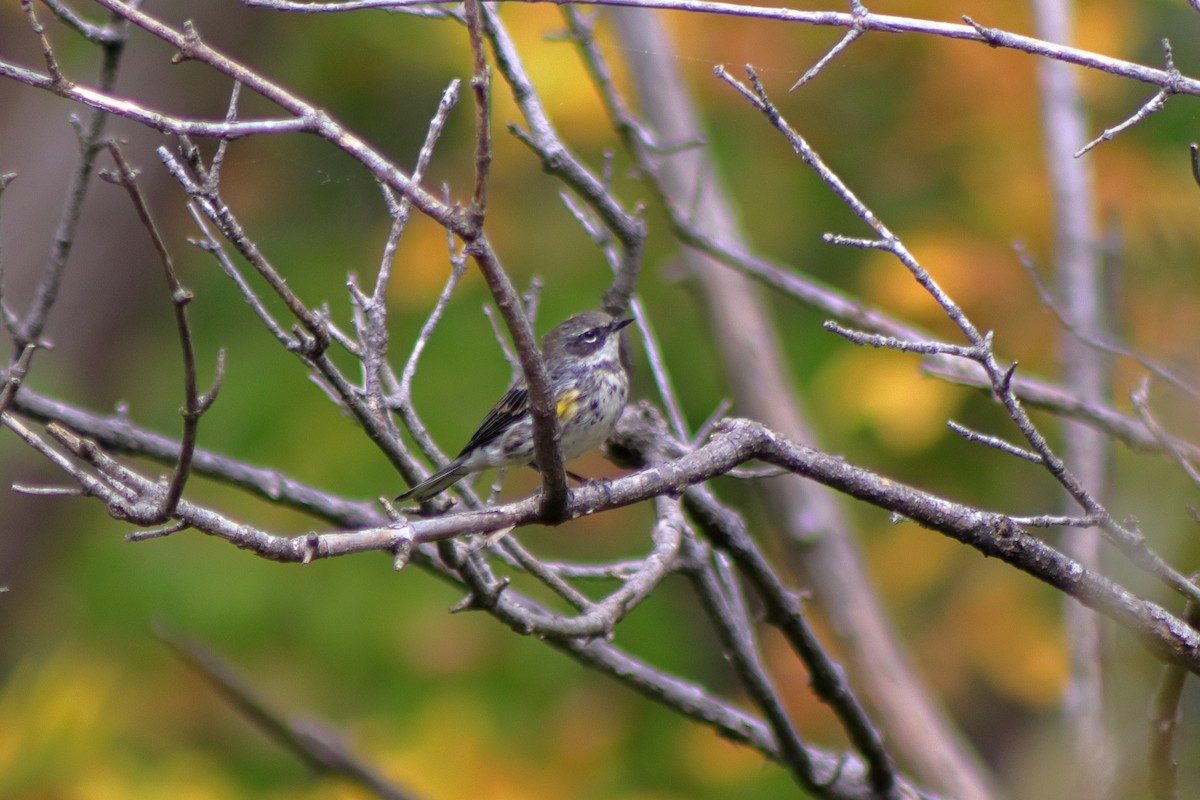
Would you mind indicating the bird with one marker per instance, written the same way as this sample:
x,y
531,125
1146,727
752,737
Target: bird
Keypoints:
x,y
589,383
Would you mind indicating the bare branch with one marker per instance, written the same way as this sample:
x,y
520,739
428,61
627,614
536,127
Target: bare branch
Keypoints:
x,y
402,400
210,245
811,520
318,747
1035,393
727,531
303,115
193,406
403,209
481,84
90,134
557,158
16,374
734,442
1155,103
1141,401
475,549
992,441
841,777
1091,338
1164,723
1128,540
1053,521
744,656
425,8
97,34
102,100
1087,373
892,343
47,52
859,11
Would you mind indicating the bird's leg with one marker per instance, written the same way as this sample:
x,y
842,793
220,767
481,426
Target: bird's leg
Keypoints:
x,y
496,486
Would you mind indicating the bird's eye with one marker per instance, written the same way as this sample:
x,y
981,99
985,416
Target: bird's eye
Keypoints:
x,y
590,335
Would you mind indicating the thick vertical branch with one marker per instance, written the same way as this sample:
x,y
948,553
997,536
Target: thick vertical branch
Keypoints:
x,y
1165,717
542,407
1085,372
481,85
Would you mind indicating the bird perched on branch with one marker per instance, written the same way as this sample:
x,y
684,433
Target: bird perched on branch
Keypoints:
x,y
589,384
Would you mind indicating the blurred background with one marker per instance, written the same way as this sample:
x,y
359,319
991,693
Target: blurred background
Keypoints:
x,y
941,138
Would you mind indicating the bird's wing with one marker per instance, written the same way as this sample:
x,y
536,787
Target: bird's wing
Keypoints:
x,y
511,407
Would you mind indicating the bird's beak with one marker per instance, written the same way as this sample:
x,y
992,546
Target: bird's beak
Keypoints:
x,y
621,323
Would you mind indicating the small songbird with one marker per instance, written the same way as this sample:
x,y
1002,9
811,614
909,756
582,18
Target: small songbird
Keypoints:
x,y
589,384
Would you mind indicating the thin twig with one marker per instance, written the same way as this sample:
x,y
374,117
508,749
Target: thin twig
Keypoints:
x,y
210,245
1141,402
194,404
1054,521
557,158
318,747
401,402
96,34
90,133
993,441
616,570
401,213
16,374
1155,103
89,484
417,7
925,347
47,52
1090,338
859,11
554,580
373,333
311,338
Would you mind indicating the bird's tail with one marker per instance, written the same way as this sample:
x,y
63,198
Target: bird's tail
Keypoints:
x,y
436,483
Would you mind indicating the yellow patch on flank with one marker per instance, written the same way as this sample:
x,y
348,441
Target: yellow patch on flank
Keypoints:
x,y
568,406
